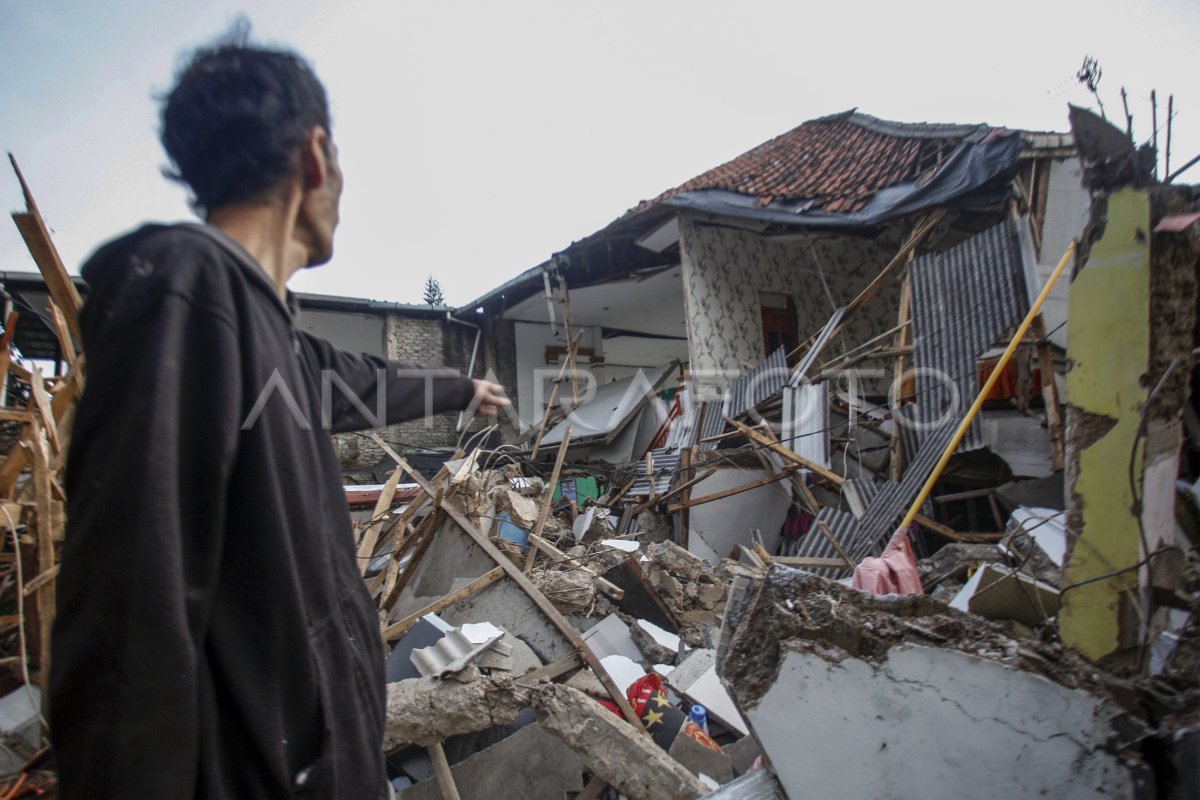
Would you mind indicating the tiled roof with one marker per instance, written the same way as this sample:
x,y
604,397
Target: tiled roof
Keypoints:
x,y
834,163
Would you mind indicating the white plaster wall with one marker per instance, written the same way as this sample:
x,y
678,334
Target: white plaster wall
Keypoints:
x,y
725,269
532,339
722,525
934,723
1067,208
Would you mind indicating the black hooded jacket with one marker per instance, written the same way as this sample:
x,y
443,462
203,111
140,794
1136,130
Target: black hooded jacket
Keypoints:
x,y
214,638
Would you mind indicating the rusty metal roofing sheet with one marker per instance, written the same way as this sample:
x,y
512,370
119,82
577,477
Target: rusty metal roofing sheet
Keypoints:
x,y
964,300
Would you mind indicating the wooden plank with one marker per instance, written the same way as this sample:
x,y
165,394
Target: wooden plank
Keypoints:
x,y
761,439
14,415
398,629
680,489
594,790
366,548
609,588
65,344
551,671
837,546
420,541
441,768
552,614
548,499
1054,420
46,596
708,498
624,490
549,410
895,445
39,403
808,563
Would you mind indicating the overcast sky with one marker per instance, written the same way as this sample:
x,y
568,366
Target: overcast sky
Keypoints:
x,y
477,138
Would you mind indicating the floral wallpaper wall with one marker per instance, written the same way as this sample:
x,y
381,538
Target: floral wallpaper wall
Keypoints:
x,y
725,269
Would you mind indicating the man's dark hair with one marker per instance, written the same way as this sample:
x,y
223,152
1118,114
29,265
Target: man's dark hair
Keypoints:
x,y
234,119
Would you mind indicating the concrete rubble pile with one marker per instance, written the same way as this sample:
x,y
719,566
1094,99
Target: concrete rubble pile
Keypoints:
x,y
780,590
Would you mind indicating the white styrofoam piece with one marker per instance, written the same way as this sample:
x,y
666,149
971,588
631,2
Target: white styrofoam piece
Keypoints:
x,y
584,521
610,636
623,671
628,545
480,632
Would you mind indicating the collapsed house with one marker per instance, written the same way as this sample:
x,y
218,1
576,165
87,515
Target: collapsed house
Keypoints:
x,y
812,472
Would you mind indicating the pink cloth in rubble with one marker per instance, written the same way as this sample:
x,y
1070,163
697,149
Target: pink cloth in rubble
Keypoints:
x,y
894,572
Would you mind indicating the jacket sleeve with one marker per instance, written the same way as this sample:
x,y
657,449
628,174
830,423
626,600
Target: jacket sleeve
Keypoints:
x,y
360,391
155,438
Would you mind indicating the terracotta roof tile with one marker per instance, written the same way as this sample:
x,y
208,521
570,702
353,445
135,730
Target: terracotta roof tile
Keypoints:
x,y
837,162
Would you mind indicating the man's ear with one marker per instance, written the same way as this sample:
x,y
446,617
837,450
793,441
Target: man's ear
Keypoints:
x,y
313,158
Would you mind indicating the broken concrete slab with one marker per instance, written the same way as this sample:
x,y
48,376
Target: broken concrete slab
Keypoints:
x,y
938,702
424,711
531,762
1001,593
611,636
934,722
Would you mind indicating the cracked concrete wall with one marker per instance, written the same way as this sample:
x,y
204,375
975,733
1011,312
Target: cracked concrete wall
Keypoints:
x,y
928,722
1109,351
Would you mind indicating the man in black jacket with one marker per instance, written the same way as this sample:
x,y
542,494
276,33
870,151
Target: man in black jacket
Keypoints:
x,y
214,638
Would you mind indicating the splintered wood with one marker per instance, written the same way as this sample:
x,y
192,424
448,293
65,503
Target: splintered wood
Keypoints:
x,y
31,495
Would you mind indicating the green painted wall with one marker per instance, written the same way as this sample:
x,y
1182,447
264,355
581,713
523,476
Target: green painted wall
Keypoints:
x,y
1109,348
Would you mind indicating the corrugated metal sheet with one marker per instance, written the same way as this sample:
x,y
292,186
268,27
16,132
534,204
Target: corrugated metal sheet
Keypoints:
x,y
665,465
822,339
865,536
806,421
885,511
963,301
711,424
844,528
859,493
756,385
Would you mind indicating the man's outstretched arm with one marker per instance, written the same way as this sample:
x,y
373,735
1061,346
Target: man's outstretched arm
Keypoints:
x,y
361,391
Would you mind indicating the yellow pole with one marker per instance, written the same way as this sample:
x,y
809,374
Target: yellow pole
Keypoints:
x,y
987,389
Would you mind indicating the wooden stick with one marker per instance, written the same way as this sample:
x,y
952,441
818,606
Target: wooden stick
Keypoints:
x,y
895,445
441,768
1054,420
828,534
708,498
549,410
398,629
65,344
548,500
624,490
366,548
595,788
46,596
683,487
551,671
923,230
421,539
808,563
987,388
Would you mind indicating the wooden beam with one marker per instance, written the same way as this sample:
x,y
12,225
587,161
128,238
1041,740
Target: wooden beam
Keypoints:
x,y
1054,420
551,671
549,410
548,500
37,238
828,534
398,629
441,768
421,539
708,498
896,445
552,614
680,489
46,596
366,548
808,563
